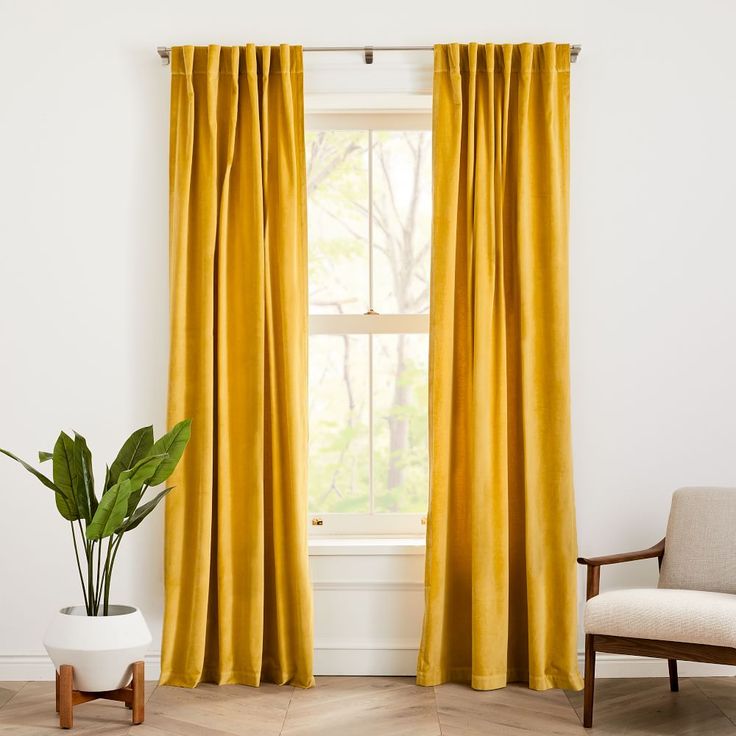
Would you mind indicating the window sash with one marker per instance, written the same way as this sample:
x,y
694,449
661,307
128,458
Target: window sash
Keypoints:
x,y
366,525
368,324
369,524
363,121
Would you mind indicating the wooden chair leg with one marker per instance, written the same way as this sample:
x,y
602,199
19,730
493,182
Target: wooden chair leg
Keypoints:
x,y
589,680
66,685
138,692
57,690
674,682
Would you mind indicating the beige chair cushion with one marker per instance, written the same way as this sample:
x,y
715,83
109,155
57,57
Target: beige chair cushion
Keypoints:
x,y
690,616
700,551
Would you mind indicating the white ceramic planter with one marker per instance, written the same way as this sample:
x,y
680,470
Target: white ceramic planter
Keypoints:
x,y
100,648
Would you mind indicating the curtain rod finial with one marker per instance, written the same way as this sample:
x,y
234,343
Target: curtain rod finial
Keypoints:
x,y
165,54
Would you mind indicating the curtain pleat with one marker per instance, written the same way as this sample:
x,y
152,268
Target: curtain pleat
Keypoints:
x,y
238,599
501,546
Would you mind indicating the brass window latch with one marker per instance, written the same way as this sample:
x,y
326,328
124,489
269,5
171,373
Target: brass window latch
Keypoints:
x,y
316,521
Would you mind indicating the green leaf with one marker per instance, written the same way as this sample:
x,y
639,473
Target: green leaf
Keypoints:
x,y
172,444
65,478
62,504
110,512
46,481
136,447
133,521
139,475
86,499
64,507
43,456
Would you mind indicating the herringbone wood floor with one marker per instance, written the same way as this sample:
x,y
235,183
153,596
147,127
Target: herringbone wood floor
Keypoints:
x,y
387,706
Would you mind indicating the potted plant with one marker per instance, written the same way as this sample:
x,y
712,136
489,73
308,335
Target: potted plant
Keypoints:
x,y
100,640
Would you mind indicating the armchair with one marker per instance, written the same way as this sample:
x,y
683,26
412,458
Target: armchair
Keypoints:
x,y
691,615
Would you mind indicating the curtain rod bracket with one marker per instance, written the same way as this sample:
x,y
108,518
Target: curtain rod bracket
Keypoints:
x,y
368,54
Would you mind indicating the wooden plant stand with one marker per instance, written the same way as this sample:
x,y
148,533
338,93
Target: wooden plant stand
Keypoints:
x,y
67,697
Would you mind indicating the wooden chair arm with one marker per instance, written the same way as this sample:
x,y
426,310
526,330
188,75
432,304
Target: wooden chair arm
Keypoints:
x,y
642,554
594,564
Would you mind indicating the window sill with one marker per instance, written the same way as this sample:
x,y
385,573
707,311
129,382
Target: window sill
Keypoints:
x,y
336,546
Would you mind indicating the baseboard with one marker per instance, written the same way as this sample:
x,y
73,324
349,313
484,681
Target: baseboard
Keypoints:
x,y
351,660
386,658
620,665
37,666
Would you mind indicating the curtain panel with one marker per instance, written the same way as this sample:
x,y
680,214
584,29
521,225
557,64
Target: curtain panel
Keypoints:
x,y
501,547
238,599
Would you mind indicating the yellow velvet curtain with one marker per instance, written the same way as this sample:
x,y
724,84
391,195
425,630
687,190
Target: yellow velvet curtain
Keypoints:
x,y
500,571
238,599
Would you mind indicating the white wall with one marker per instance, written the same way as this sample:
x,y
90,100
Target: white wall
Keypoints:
x,y
83,275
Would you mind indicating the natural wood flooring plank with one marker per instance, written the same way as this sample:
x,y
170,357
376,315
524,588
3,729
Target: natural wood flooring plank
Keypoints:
x,y
8,690
721,691
363,706
646,706
217,711
387,706
511,710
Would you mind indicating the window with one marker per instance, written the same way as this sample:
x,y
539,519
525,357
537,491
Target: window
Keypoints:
x,y
369,199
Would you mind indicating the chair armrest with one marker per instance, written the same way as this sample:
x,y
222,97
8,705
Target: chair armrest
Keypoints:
x,y
643,554
594,564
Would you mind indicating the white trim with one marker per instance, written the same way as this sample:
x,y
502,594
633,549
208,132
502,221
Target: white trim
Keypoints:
x,y
385,586
347,658
368,324
366,525
36,666
352,546
364,645
379,110
368,120
619,665
380,657
369,662
368,112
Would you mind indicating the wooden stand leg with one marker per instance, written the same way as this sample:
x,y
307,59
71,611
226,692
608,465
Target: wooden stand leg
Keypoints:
x,y
589,680
138,692
674,682
66,685
67,697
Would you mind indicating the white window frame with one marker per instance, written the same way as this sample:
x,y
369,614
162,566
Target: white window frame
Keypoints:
x,y
369,113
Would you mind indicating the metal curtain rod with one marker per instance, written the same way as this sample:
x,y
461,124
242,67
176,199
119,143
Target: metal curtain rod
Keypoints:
x,y
165,52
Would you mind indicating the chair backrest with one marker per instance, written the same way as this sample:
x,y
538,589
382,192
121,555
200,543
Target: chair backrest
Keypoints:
x,y
700,550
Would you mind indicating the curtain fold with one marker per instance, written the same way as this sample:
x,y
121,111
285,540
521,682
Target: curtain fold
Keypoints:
x,y
501,547
238,599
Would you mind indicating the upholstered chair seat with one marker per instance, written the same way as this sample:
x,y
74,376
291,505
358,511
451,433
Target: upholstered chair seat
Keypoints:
x,y
699,617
